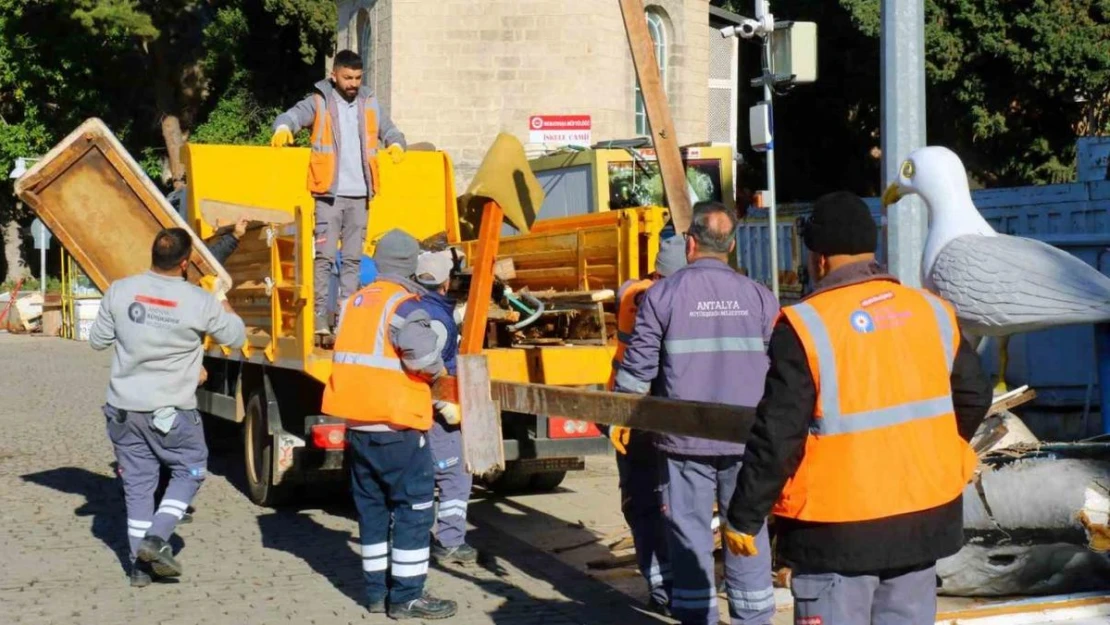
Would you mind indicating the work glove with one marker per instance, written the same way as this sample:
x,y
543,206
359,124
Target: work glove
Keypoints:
x,y
396,152
282,137
450,413
740,544
619,436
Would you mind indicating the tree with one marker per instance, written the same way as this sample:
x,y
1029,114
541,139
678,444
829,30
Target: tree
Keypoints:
x,y
1010,84
156,71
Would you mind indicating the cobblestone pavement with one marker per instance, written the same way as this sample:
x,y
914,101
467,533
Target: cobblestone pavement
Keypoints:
x,y
63,533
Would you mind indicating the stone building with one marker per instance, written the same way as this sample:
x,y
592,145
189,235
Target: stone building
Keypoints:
x,y
457,72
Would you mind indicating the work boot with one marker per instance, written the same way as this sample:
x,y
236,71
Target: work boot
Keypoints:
x,y
376,607
159,554
323,328
187,517
426,607
656,606
463,554
140,574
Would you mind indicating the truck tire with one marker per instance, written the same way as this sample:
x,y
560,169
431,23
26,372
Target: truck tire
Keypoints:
x,y
548,481
258,454
511,481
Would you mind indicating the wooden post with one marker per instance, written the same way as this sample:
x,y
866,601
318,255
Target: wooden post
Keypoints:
x,y
481,280
658,113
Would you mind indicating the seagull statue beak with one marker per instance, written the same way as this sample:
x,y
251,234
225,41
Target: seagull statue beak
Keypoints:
x,y
892,194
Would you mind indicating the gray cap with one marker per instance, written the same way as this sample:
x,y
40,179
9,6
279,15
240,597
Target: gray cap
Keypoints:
x,y
396,254
671,256
434,268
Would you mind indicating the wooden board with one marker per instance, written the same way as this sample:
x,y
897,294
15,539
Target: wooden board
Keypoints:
x,y
663,135
218,213
104,210
481,417
669,416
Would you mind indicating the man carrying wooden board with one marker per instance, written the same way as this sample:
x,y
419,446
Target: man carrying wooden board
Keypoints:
x,y
348,126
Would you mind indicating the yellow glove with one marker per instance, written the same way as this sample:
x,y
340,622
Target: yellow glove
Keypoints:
x,y
740,544
450,413
619,435
282,137
396,152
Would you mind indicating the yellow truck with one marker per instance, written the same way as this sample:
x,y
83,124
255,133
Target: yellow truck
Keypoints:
x,y
273,385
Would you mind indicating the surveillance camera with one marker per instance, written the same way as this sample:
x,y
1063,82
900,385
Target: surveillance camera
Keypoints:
x,y
749,28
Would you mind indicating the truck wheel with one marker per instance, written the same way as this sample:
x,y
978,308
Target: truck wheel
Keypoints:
x,y
512,480
549,481
258,455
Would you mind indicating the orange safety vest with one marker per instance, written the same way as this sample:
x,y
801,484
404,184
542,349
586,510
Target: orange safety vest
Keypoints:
x,y
883,441
368,383
626,322
322,161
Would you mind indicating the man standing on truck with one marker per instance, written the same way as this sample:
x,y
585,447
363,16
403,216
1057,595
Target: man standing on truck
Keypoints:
x,y
637,457
862,434
348,125
700,335
157,322
384,362
433,271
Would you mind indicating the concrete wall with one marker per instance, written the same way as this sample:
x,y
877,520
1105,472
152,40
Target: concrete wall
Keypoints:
x,y
462,71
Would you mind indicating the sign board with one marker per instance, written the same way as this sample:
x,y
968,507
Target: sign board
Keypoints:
x,y
41,235
560,130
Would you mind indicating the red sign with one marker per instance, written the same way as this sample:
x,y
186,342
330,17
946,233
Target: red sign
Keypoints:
x,y
560,129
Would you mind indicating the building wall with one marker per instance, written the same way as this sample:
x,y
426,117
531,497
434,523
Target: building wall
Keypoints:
x,y
462,71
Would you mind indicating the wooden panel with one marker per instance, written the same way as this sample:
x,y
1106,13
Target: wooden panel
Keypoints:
x,y
481,417
96,199
218,213
668,416
663,135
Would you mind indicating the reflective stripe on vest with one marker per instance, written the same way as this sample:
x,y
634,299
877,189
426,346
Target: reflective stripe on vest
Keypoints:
x,y
832,421
377,359
718,344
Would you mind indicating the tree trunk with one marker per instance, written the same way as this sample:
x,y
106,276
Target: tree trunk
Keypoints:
x,y
175,141
13,252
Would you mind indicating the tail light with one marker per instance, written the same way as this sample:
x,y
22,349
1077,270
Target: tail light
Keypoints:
x,y
329,435
561,427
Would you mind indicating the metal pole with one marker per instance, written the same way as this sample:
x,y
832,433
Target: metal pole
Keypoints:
x,y
42,272
772,203
903,129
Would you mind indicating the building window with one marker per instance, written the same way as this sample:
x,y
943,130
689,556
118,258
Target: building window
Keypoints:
x,y
658,31
365,45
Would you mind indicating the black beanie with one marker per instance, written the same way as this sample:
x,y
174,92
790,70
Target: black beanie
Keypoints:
x,y
840,224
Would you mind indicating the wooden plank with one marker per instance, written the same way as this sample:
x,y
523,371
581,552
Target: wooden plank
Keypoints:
x,y
481,285
481,417
504,269
1012,400
561,297
663,136
668,416
218,213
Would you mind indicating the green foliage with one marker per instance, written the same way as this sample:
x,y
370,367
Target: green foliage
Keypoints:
x,y
1010,85
30,285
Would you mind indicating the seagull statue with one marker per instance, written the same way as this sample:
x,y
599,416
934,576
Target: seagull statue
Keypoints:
x,y
999,284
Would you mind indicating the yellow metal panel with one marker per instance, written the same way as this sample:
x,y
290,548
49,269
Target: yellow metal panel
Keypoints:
x,y
508,365
562,365
417,195
257,176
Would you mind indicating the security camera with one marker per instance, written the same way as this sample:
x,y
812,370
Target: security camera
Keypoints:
x,y
747,29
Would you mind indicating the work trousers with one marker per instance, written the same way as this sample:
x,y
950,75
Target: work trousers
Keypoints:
x,y
642,505
691,485
339,220
392,479
453,482
894,597
141,452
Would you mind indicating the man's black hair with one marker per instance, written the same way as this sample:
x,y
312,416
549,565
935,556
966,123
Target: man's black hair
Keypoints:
x,y
711,239
171,246
347,59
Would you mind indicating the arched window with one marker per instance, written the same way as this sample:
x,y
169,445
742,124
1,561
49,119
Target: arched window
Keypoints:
x,y
658,30
365,45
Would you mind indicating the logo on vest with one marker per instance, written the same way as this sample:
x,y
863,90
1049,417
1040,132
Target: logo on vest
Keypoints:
x,y
862,322
358,301
875,299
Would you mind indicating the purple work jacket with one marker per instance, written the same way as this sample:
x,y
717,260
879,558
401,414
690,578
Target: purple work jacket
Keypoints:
x,y
701,335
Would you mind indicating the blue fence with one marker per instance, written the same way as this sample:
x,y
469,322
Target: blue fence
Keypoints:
x,y
1059,363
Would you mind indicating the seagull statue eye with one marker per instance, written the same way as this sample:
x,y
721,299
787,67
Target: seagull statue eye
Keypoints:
x,y
907,170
